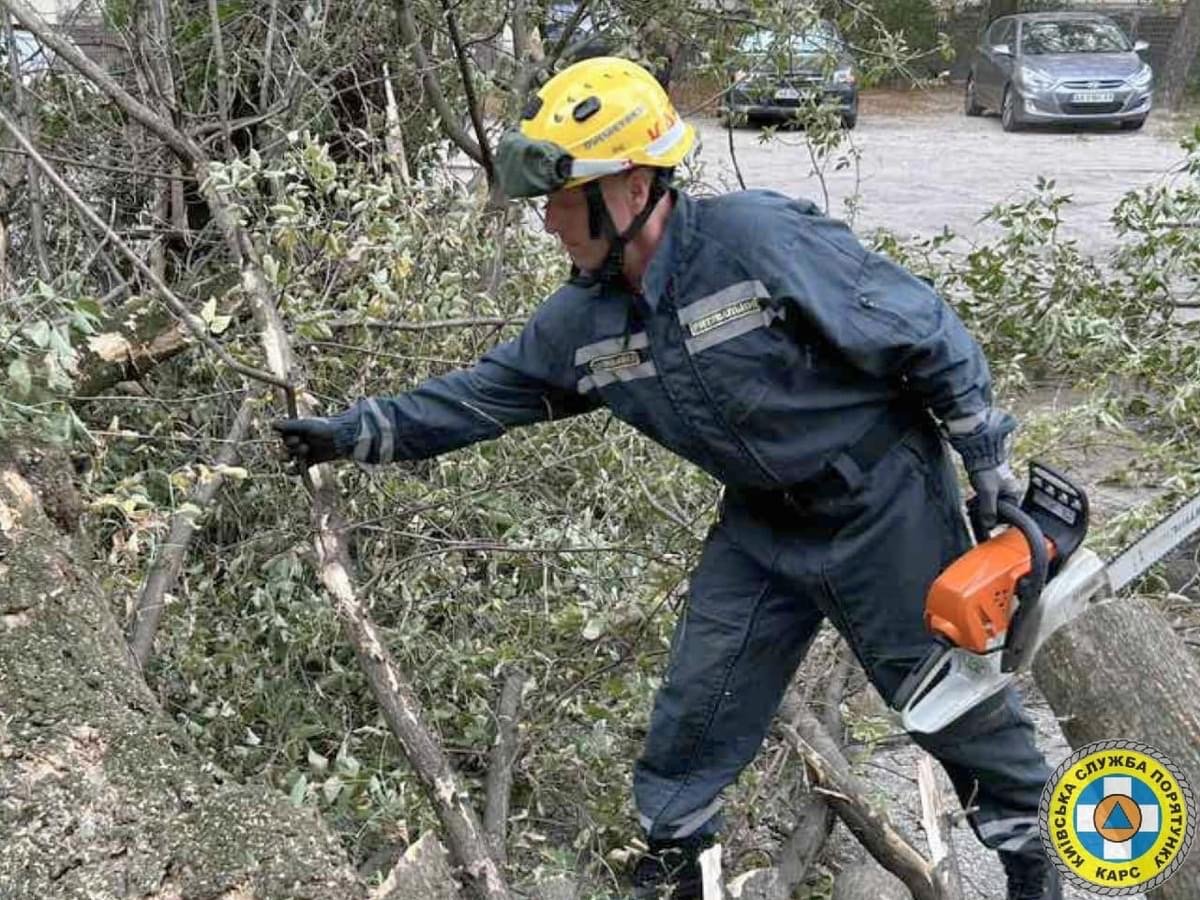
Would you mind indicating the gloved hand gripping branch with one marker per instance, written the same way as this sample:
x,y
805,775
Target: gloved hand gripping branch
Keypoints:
x,y
309,442
985,455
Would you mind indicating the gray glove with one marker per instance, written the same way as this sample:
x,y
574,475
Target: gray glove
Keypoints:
x,y
984,452
991,486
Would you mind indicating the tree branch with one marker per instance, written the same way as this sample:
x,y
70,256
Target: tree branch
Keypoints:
x,y
37,219
408,29
166,132
500,764
936,817
847,796
218,43
264,87
166,569
437,324
464,70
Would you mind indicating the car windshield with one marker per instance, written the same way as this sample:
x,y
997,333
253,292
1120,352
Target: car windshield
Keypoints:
x,y
1073,36
819,39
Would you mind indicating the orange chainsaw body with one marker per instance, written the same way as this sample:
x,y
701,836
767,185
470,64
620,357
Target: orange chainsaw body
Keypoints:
x,y
971,602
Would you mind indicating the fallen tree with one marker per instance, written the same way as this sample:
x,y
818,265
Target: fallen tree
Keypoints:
x,y
102,794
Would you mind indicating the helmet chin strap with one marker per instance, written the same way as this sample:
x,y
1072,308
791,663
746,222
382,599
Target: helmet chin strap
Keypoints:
x,y
600,224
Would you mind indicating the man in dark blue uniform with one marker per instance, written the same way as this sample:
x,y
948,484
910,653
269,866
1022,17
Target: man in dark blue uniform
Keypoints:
x,y
755,337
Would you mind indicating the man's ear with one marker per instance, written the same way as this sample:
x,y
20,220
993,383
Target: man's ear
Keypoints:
x,y
640,180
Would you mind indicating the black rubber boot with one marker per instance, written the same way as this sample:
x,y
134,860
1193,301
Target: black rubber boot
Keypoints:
x,y
1031,876
671,869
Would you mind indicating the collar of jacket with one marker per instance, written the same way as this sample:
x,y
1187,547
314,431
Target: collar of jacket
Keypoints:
x,y
672,248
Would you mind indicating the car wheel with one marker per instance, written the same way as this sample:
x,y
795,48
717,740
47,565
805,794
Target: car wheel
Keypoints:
x,y
1133,124
849,120
970,102
1008,111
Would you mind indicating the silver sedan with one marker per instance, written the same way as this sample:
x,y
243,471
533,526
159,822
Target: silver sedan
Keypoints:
x,y
1059,67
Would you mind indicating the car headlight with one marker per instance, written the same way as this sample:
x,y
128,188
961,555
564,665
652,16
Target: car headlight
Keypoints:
x,y
844,75
1142,77
1039,81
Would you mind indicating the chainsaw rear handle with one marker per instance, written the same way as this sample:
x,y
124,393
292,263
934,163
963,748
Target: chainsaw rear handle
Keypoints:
x,y
1030,587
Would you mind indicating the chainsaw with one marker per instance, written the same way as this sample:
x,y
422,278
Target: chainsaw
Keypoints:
x,y
995,606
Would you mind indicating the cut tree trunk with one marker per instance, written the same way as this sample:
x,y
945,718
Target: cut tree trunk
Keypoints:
x,y
868,879
1119,672
130,342
101,795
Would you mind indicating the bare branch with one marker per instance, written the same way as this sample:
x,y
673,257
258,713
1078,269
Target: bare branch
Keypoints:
x,y
100,167
848,797
37,219
408,29
437,324
186,149
166,569
564,39
214,16
936,817
464,71
737,169
520,31
393,139
264,88
500,764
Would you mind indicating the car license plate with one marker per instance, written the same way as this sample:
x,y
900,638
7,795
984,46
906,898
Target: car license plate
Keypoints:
x,y
1092,97
787,94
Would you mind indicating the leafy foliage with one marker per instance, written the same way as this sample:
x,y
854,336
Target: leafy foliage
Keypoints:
x,y
561,550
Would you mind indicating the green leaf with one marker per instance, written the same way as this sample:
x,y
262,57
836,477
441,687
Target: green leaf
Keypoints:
x,y
19,375
299,789
316,761
209,311
39,333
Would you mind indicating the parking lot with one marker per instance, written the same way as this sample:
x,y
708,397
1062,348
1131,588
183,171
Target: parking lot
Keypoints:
x,y
926,165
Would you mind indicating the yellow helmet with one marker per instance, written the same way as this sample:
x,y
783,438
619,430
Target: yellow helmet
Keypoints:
x,y
598,117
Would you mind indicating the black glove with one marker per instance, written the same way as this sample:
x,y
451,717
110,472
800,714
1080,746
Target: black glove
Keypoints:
x,y
992,485
309,441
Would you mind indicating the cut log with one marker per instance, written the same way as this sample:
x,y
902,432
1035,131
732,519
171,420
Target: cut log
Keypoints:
x,y
424,871
100,793
868,879
129,343
1119,672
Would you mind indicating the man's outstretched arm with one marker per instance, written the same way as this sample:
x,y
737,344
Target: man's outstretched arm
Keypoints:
x,y
525,380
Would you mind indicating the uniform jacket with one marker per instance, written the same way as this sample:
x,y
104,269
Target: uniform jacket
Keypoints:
x,y
765,342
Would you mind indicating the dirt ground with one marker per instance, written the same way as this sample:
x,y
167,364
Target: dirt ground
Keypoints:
x,y
926,165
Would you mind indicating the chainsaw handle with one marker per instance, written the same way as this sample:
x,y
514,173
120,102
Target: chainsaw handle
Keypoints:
x,y
1030,587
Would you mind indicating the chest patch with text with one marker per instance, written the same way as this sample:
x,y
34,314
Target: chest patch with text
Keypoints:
x,y
623,360
738,310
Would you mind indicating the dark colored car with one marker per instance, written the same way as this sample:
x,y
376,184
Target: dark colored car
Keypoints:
x,y
777,74
1059,67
